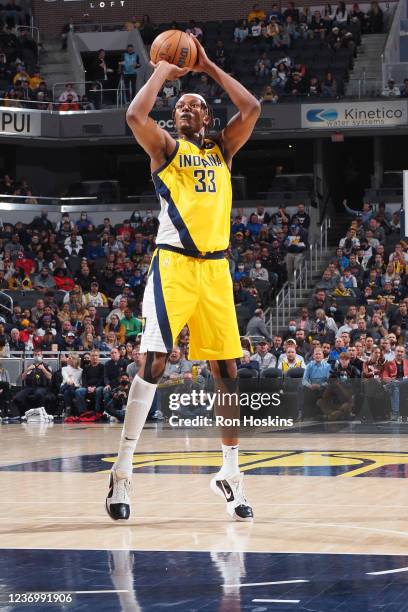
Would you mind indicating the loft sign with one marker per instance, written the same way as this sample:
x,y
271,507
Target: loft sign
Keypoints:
x,y
102,4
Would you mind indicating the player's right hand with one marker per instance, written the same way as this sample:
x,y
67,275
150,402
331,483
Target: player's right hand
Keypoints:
x,y
170,71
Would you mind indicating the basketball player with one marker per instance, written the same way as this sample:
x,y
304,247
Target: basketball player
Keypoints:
x,y
189,279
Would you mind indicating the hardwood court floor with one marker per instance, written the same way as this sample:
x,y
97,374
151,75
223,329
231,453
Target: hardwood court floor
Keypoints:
x,y
316,495
53,482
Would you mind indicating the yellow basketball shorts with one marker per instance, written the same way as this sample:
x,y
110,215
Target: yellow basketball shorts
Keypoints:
x,y
198,292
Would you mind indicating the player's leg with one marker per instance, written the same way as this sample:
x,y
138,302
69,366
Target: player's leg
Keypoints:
x,y
214,336
167,304
228,482
141,395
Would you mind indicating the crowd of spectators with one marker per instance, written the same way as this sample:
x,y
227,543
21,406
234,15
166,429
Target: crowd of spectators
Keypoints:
x,y
21,84
88,281
348,344
337,27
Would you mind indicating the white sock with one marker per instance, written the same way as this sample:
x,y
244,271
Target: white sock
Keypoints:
x,y
230,465
140,400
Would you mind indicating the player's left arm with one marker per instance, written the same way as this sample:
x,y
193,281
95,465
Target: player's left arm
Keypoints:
x,y
241,125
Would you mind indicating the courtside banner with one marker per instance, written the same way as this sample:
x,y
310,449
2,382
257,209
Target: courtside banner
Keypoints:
x,y
20,122
375,113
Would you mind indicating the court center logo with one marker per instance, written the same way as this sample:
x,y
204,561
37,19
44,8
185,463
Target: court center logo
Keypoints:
x,y
320,115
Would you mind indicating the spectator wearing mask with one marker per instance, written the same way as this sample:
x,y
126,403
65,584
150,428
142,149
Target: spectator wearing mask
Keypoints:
x,y
258,272
37,379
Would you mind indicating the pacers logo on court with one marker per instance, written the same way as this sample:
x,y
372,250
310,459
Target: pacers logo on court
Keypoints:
x,y
344,464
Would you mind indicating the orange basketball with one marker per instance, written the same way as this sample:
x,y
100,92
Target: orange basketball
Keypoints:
x,y
174,47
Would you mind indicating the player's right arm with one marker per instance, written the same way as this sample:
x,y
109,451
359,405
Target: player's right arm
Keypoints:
x,y
157,143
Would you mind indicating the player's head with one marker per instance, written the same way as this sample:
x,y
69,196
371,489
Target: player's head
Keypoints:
x,y
192,115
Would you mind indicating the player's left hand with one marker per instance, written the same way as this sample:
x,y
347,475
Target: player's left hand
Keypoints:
x,y
203,61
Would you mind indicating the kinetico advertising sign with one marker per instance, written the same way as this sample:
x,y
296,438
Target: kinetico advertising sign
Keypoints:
x,y
354,114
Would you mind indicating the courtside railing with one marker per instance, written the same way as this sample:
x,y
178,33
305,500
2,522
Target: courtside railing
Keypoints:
x,y
291,293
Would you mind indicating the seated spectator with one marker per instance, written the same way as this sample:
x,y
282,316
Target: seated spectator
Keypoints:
x,y
71,381
86,104
204,87
269,96
329,86
255,32
245,363
256,14
69,105
194,29
258,272
391,90
95,297
262,66
291,12
131,324
176,366
169,94
92,383
340,16
69,94
271,34
404,89
263,356
317,25
313,89
136,363
37,378
336,351
337,400
314,382
295,85
241,31
115,325
116,407
15,343
290,359
113,370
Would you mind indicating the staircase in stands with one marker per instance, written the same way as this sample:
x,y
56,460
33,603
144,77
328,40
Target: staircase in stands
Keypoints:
x,y
366,76
55,64
291,304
